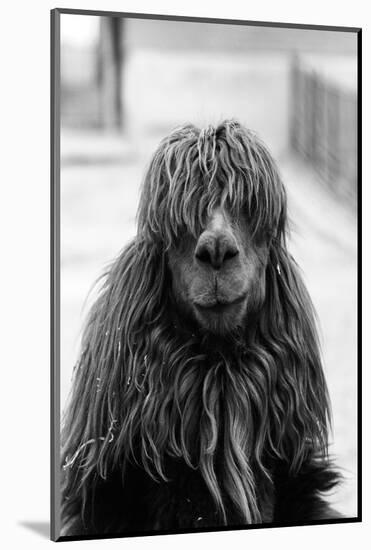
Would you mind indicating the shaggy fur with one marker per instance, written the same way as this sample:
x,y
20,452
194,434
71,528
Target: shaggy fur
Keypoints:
x,y
199,399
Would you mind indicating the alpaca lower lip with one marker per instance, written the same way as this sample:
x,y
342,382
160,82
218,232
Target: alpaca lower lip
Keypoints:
x,y
219,307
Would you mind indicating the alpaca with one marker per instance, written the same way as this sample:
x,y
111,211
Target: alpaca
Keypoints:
x,y
199,399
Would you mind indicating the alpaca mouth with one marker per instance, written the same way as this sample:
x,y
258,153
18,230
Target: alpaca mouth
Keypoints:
x,y
219,306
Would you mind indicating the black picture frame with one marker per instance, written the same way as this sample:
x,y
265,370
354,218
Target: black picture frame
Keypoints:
x,y
56,247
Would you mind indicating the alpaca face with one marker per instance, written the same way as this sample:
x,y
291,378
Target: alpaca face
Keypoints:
x,y
219,278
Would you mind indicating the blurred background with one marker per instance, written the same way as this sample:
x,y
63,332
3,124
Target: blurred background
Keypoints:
x,y
125,83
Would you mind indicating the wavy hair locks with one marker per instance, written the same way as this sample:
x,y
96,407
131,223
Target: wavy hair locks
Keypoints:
x,y
144,389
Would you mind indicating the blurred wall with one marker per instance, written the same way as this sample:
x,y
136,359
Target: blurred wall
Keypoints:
x,y
170,72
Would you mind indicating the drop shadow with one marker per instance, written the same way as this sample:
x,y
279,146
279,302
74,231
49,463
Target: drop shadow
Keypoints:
x,y
41,528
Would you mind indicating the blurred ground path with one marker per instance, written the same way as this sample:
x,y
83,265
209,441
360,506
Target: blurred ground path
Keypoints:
x,y
100,182
324,243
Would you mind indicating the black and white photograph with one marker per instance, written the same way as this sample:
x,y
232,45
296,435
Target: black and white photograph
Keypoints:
x,y
205,205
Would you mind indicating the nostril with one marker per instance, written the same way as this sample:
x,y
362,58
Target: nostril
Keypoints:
x,y
230,253
203,255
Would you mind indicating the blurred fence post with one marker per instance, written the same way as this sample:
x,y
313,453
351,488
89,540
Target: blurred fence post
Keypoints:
x,y
296,104
110,72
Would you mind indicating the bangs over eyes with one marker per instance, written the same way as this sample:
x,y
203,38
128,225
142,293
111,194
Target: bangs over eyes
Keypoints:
x,y
193,172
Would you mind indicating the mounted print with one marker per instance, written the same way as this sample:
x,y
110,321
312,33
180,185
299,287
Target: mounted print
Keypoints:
x,y
205,223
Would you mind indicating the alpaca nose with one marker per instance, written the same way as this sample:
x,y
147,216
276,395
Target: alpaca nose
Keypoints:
x,y
215,249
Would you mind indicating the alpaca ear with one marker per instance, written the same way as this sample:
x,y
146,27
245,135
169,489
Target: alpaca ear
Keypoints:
x,y
289,328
